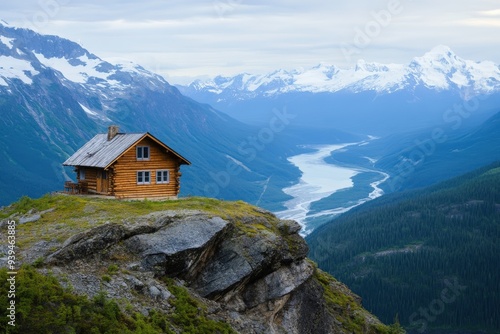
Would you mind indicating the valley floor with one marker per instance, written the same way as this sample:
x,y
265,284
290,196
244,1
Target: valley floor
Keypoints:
x,y
326,190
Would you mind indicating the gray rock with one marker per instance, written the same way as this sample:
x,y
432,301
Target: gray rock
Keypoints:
x,y
30,216
225,270
154,292
165,294
135,266
237,261
105,236
176,249
87,284
289,226
87,243
135,283
159,293
306,312
250,269
297,249
29,219
278,283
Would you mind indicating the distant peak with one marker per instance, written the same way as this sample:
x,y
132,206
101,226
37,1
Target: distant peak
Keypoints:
x,y
438,69
360,65
440,56
279,71
323,64
440,50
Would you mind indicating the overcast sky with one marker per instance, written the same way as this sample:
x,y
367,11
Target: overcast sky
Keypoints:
x,y
194,38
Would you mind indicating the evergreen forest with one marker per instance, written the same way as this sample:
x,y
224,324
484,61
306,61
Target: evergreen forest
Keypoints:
x,y
430,257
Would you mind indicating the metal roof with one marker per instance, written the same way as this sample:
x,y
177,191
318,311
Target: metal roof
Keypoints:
x,y
99,152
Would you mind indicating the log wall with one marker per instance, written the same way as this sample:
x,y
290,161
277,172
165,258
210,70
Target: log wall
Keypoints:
x,y
90,178
123,173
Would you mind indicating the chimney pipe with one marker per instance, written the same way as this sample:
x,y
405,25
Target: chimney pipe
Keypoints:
x,y
112,131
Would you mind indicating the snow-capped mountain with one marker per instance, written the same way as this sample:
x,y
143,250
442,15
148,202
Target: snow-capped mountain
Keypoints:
x,y
438,69
369,98
55,95
25,55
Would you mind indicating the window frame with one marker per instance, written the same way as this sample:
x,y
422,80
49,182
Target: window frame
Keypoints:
x,y
81,174
143,177
163,173
141,150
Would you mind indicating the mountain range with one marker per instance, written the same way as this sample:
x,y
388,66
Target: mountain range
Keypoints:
x,y
438,69
420,123
55,95
369,98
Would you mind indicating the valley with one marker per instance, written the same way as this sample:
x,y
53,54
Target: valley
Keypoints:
x,y
325,189
406,248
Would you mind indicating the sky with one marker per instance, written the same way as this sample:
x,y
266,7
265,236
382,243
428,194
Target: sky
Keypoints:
x,y
184,40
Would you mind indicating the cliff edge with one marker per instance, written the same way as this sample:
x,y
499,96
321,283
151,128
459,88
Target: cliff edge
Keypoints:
x,y
239,265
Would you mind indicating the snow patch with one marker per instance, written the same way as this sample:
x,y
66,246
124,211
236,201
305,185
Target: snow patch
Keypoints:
x,y
78,73
88,111
94,114
9,42
16,69
239,163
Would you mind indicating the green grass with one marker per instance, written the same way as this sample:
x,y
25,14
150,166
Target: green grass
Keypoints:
x,y
113,269
55,309
75,214
349,311
44,306
191,315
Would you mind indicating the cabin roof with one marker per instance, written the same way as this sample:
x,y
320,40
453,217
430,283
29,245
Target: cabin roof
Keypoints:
x,y
101,152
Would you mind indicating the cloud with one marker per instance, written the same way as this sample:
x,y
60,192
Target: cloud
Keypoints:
x,y
493,12
194,37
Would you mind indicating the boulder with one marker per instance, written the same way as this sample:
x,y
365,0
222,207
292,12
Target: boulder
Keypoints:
x,y
177,249
278,283
87,243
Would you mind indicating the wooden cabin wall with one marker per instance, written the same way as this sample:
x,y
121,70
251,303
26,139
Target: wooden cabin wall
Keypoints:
x,y
90,178
124,180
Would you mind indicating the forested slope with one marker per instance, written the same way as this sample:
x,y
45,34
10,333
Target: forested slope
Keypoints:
x,y
432,256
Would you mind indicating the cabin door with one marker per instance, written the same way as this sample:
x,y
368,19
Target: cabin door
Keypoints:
x,y
102,181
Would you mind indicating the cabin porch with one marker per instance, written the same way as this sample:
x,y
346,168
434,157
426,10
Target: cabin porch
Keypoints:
x,y
80,187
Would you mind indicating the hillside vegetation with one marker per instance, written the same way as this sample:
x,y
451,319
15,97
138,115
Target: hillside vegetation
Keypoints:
x,y
195,265
429,256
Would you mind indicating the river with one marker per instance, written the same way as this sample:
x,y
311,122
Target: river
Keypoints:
x,y
320,180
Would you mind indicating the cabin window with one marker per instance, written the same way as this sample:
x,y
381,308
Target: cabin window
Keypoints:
x,y
143,177
142,152
162,176
81,173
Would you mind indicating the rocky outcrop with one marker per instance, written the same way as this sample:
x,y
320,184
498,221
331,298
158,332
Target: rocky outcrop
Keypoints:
x,y
249,269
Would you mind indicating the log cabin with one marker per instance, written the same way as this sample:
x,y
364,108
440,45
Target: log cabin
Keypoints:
x,y
126,165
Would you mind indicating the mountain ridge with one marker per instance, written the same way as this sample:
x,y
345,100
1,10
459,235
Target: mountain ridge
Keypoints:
x,y
439,69
56,95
